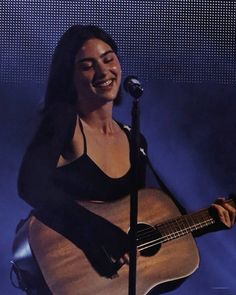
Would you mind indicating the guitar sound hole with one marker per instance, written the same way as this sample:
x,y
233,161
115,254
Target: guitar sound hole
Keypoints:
x,y
147,238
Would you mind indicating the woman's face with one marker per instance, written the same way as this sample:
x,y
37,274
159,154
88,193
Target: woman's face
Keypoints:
x,y
97,74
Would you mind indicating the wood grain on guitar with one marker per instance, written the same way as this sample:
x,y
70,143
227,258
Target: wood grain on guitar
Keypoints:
x,y
167,248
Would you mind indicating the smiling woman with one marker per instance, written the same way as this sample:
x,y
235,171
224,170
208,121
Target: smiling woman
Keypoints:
x,y
65,61
76,173
80,153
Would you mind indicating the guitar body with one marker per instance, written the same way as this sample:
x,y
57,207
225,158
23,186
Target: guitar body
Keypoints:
x,y
67,271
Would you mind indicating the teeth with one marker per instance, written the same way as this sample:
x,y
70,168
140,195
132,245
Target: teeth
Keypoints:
x,y
106,83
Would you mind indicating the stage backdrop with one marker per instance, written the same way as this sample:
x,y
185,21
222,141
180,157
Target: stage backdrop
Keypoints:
x,y
184,52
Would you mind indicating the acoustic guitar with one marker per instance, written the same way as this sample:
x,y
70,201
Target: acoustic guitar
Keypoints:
x,y
166,248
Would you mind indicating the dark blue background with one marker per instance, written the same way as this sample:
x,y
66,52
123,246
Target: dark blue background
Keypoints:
x,y
190,130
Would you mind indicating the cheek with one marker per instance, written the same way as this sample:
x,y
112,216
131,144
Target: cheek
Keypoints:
x,y
82,85
81,80
116,64
117,69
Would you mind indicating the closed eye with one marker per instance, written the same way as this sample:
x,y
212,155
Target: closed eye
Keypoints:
x,y
107,60
108,57
86,67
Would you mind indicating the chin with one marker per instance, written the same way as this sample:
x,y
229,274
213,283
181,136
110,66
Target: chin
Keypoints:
x,y
107,97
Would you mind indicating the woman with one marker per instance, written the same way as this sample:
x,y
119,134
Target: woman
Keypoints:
x,y
81,153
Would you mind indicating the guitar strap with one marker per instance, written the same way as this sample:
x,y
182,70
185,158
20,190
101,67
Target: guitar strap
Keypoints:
x,y
160,182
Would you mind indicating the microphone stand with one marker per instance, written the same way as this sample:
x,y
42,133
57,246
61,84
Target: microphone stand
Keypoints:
x,y
135,131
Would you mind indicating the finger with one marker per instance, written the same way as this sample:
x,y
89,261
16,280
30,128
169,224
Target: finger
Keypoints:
x,y
220,200
232,212
124,259
223,215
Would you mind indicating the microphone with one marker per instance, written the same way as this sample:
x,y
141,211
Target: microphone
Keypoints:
x,y
133,86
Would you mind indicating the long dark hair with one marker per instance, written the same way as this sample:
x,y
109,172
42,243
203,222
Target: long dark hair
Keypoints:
x,y
60,87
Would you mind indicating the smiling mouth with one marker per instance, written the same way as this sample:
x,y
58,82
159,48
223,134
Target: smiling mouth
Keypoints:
x,y
103,83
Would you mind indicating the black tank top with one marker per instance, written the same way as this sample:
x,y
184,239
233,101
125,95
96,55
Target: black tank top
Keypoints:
x,y
84,180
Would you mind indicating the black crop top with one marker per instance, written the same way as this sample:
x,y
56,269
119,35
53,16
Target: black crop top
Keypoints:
x,y
83,179
44,186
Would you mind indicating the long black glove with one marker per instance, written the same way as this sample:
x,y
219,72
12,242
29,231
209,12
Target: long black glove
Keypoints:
x,y
102,242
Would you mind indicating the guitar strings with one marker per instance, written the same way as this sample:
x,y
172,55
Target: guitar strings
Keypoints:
x,y
189,222
170,229
192,218
173,235
185,220
169,237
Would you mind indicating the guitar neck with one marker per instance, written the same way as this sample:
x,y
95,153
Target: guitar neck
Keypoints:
x,y
185,224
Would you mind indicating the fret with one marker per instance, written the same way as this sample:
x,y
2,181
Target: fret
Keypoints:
x,y
178,227
202,219
185,224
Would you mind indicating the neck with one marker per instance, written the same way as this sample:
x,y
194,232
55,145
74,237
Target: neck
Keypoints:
x,y
99,119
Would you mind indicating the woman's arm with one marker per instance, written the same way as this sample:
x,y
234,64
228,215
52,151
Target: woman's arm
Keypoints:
x,y
55,207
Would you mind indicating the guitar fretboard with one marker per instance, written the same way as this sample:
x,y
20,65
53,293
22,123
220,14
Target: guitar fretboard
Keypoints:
x,y
175,228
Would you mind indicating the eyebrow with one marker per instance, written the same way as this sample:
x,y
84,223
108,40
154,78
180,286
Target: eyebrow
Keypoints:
x,y
90,58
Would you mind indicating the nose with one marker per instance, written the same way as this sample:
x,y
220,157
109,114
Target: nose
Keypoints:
x,y
101,69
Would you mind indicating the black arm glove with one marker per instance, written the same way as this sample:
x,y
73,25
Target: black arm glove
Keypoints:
x,y
101,241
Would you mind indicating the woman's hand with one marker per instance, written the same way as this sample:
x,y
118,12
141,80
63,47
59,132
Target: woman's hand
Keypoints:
x,y
124,259
226,212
